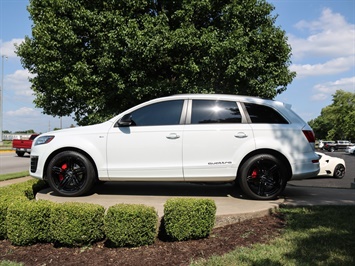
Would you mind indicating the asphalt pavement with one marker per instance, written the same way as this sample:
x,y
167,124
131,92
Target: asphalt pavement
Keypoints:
x,y
231,205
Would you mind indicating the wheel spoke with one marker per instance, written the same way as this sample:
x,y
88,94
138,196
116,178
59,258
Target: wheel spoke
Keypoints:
x,y
272,170
79,171
261,190
70,163
62,184
56,170
250,178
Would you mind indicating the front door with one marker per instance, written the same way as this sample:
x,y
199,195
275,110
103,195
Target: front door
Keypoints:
x,y
151,147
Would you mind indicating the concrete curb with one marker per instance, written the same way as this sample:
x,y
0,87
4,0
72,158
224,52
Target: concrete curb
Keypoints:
x,y
231,207
15,181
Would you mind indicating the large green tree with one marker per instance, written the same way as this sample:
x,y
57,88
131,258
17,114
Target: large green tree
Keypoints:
x,y
337,121
96,58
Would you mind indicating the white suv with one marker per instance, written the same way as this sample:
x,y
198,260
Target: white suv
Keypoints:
x,y
259,143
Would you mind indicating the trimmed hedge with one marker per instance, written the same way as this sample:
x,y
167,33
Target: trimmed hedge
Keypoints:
x,y
28,222
131,225
189,218
76,224
16,193
25,221
3,213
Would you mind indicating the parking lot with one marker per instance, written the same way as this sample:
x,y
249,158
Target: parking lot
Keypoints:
x,y
331,182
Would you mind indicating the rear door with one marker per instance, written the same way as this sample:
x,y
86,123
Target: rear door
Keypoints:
x,y
215,140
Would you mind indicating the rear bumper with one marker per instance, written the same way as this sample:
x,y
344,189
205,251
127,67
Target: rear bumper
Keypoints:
x,y
22,149
308,171
306,167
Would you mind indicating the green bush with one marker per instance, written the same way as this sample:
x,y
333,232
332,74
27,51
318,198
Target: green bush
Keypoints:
x,y
28,222
10,263
3,213
75,224
189,218
21,192
131,225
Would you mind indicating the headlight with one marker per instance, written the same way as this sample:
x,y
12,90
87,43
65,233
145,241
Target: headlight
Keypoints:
x,y
43,140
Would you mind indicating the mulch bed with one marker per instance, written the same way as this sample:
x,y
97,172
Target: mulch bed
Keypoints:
x,y
222,240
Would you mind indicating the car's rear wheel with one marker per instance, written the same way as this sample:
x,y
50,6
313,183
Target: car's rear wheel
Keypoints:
x,y
70,173
20,153
263,177
339,171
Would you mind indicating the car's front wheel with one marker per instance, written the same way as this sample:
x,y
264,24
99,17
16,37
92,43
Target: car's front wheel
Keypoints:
x,y
70,173
263,177
339,171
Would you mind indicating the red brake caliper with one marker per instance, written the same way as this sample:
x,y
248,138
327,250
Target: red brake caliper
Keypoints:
x,y
254,174
64,167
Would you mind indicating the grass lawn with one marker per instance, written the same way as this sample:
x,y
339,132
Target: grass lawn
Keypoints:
x,y
321,235
13,175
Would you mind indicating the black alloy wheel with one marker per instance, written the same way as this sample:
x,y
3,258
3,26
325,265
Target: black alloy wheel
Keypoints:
x,y
70,173
339,171
263,177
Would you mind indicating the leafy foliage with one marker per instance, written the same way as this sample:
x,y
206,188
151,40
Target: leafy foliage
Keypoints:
x,y
336,120
28,222
16,193
76,224
97,58
131,225
189,218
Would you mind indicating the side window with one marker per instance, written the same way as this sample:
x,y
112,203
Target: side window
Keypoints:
x,y
260,114
158,114
209,111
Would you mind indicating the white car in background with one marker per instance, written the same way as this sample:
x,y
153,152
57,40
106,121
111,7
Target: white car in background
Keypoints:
x,y
331,166
350,150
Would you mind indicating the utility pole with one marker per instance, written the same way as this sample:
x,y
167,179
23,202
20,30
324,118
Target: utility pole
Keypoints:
x,y
3,57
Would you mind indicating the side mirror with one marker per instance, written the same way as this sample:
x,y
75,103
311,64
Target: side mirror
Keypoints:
x,y
125,121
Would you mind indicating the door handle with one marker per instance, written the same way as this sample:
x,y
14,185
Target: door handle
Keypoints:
x,y
173,136
240,135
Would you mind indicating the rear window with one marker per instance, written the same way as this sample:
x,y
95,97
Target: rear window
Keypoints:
x,y
261,114
211,112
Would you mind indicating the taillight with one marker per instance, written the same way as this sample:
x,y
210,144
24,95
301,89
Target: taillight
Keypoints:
x,y
309,134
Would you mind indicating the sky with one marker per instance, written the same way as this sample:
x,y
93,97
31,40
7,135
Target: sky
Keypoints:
x,y
320,32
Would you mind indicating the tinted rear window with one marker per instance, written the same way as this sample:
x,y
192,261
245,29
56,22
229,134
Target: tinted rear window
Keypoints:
x,y
261,114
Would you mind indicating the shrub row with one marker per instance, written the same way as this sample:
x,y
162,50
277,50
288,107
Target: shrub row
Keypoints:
x,y
24,221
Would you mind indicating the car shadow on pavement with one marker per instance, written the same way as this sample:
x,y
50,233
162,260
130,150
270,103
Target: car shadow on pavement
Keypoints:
x,y
168,189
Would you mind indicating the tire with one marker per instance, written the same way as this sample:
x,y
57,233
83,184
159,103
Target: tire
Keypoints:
x,y
339,171
71,174
20,153
263,177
